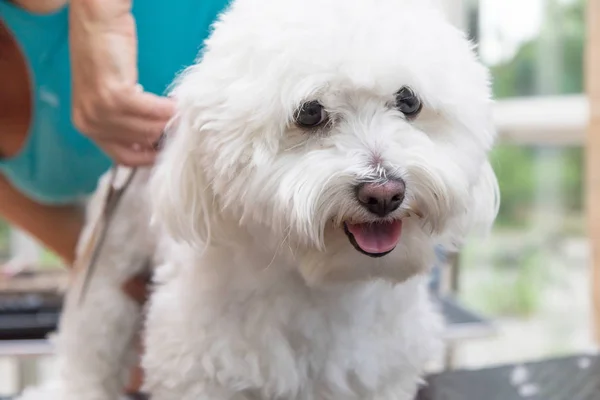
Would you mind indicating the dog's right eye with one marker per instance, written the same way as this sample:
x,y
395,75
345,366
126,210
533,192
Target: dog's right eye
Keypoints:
x,y
311,114
408,102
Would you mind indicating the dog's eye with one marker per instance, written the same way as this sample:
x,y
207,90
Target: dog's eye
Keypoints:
x,y
311,114
408,102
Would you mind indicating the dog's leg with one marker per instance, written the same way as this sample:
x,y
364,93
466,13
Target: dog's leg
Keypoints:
x,y
96,332
176,343
94,342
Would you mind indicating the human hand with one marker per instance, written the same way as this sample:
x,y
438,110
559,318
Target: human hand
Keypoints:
x,y
108,105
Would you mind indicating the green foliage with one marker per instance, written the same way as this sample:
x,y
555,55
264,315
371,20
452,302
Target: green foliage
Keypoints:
x,y
513,284
518,293
573,178
510,274
519,75
4,240
514,168
49,260
515,165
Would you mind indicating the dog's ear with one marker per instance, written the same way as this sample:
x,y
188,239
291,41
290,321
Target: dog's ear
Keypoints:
x,y
480,211
483,203
485,196
182,201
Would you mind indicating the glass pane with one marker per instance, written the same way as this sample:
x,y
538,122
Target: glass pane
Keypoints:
x,y
531,275
533,47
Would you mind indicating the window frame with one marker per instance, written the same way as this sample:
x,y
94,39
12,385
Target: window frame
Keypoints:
x,y
560,120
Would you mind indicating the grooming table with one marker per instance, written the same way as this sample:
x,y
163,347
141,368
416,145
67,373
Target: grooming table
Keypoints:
x,y
462,323
46,281
568,378
30,307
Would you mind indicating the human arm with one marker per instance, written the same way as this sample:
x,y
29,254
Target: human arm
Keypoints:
x,y
108,105
57,227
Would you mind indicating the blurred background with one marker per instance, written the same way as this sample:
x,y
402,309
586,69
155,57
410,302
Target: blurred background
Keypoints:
x,y
531,276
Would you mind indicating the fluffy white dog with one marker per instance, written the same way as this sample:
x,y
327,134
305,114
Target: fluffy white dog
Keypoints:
x,y
322,149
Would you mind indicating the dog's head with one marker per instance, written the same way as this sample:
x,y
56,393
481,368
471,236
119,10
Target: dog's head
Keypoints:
x,y
350,135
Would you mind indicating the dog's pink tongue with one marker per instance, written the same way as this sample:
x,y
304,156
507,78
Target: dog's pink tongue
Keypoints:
x,y
376,238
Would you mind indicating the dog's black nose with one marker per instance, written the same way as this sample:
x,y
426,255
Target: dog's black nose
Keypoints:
x,y
381,198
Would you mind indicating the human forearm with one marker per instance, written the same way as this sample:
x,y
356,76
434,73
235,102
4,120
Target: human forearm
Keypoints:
x,y
108,105
56,227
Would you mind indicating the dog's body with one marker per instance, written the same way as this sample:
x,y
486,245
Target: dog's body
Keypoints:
x,y
322,149
250,331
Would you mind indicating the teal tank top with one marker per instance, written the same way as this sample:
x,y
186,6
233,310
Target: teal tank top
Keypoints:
x,y
57,164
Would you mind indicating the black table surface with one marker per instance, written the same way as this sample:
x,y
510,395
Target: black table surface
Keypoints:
x,y
567,378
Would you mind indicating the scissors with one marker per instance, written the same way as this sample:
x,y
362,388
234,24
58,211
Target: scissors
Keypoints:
x,y
96,242
111,201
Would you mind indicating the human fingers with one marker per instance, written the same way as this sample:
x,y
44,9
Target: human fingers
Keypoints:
x,y
147,105
130,131
128,155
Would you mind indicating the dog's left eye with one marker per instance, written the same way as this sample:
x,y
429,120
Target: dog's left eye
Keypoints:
x,y
408,103
311,114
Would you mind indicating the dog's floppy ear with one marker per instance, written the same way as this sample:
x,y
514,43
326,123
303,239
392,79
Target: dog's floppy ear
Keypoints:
x,y
180,195
480,211
483,201
485,196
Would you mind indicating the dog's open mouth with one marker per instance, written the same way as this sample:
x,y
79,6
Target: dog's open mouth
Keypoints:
x,y
375,239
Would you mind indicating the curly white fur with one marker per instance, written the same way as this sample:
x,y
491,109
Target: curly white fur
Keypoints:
x,y
259,293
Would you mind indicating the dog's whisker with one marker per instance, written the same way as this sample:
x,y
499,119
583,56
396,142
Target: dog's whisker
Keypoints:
x,y
301,144
278,248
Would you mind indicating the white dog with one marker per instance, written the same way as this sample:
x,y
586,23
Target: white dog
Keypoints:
x,y
322,149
